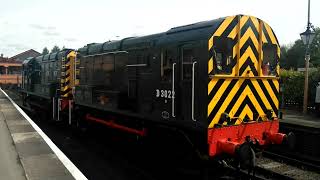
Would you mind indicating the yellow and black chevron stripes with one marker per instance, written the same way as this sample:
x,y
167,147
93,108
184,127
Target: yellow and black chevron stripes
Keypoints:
x,y
224,29
242,97
245,94
250,31
249,47
67,80
77,69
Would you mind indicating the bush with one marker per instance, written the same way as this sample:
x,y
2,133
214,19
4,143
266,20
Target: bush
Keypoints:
x,y
292,83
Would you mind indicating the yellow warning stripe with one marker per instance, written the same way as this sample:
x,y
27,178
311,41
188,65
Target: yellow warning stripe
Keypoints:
x,y
245,37
221,29
276,84
270,33
246,111
223,26
227,100
211,84
233,33
67,81
235,30
248,53
255,22
271,93
217,96
261,94
247,94
210,43
210,65
235,50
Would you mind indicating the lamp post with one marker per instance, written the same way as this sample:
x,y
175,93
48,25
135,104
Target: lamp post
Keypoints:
x,y
307,38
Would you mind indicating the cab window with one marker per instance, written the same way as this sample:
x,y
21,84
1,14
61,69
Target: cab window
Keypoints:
x,y
167,57
270,61
222,55
188,59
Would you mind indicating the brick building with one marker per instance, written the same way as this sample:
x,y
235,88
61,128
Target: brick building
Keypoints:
x,y
24,55
10,68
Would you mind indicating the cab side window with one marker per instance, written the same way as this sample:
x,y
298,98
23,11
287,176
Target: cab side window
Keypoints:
x,y
222,54
188,59
167,57
270,61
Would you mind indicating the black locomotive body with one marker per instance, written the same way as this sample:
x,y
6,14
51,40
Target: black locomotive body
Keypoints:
x,y
149,78
43,81
215,81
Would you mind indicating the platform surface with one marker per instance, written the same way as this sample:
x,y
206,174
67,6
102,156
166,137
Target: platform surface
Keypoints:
x,y
10,166
25,153
298,118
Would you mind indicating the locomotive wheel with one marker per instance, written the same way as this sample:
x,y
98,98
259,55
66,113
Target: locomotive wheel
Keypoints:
x,y
246,157
81,124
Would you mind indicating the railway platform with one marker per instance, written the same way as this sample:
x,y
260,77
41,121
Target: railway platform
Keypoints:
x,y
299,119
26,153
307,132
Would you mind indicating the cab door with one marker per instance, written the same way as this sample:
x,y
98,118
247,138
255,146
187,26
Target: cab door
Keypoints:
x,y
189,64
165,90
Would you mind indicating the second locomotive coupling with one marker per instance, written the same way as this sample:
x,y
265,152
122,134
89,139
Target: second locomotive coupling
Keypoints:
x,y
216,82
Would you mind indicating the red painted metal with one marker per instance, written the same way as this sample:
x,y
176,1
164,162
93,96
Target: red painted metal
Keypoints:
x,y
112,124
274,138
64,104
227,146
227,139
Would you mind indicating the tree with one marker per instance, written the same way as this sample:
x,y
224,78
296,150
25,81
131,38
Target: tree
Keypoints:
x,y
315,49
284,61
294,56
55,49
45,51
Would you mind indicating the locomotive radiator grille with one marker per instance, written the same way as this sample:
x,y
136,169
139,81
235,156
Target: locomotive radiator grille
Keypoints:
x,y
246,93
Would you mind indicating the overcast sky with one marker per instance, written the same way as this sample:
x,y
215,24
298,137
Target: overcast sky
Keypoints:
x,y
26,24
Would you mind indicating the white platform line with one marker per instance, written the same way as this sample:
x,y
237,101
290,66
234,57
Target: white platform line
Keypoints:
x,y
76,173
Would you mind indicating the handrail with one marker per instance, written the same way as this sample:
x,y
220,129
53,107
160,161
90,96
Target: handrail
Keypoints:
x,y
173,92
101,54
192,100
136,65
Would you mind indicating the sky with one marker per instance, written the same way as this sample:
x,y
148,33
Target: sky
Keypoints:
x,y
35,24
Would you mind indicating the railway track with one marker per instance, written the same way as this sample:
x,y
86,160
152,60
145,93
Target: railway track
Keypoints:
x,y
269,168
296,160
279,169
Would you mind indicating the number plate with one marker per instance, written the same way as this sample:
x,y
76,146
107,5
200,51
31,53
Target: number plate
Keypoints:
x,y
164,93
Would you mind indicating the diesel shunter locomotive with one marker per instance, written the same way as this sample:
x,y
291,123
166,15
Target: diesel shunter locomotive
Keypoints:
x,y
216,81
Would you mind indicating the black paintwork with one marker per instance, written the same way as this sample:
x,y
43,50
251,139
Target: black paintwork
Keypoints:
x,y
123,76
41,79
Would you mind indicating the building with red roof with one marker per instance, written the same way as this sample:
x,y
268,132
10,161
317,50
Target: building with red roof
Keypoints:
x,y
10,68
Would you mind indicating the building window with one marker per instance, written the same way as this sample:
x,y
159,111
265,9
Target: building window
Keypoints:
x,y
2,70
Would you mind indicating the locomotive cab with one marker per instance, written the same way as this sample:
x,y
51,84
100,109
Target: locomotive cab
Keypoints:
x,y
29,74
243,88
